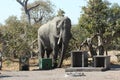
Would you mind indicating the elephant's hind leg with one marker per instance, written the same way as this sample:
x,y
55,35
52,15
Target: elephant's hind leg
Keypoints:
x,y
41,50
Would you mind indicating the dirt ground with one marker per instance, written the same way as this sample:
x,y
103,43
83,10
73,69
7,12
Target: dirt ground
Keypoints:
x,y
11,72
59,74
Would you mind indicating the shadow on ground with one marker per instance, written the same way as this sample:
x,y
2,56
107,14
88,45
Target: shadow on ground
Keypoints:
x,y
4,76
115,66
7,76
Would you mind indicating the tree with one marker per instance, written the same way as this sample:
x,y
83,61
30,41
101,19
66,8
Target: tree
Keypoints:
x,y
114,26
96,20
10,33
15,40
41,13
24,4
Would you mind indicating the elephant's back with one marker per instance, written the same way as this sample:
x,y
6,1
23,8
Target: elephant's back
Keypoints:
x,y
48,27
44,29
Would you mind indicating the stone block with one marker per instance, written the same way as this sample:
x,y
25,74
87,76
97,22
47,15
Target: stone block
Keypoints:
x,y
79,59
101,61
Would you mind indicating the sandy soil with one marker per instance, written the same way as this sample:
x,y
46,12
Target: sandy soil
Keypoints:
x,y
59,74
11,72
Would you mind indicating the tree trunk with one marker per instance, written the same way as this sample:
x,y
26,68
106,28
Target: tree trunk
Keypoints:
x,y
92,50
100,45
24,4
28,17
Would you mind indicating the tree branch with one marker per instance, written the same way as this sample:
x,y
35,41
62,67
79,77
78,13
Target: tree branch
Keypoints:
x,y
25,5
88,41
33,7
36,21
21,3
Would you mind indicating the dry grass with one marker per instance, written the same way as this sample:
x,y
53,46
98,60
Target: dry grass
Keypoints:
x,y
10,65
67,62
14,65
113,57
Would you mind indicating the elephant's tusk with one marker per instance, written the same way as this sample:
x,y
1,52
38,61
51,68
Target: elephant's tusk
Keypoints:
x,y
59,38
58,41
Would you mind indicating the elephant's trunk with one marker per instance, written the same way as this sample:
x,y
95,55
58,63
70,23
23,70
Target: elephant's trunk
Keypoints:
x,y
62,55
65,40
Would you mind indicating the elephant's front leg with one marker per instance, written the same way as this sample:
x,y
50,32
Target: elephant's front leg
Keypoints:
x,y
55,55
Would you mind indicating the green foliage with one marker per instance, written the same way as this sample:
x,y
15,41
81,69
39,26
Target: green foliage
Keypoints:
x,y
17,37
100,17
79,34
94,16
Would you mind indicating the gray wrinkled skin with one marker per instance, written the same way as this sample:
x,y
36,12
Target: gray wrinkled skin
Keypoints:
x,y
54,36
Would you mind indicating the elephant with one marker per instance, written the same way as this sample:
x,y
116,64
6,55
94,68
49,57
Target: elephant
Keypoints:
x,y
53,37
